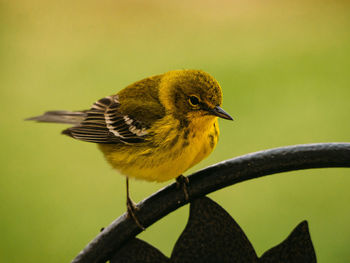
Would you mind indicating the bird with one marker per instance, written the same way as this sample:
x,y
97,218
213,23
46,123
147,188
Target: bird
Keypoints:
x,y
154,129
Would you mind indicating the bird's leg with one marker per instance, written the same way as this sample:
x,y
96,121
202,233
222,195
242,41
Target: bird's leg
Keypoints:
x,y
131,206
183,182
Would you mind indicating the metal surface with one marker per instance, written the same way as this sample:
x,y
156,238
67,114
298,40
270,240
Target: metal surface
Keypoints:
x,y
210,179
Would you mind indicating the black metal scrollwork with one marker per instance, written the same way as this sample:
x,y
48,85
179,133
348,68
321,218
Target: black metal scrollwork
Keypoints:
x,y
109,244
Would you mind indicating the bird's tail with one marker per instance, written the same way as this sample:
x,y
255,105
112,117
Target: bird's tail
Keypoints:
x,y
69,117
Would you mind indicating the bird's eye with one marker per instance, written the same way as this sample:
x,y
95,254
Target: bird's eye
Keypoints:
x,y
194,101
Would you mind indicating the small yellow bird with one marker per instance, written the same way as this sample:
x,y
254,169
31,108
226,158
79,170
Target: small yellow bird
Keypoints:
x,y
154,129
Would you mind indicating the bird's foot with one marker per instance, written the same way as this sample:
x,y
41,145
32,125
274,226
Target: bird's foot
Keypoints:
x,y
132,208
183,182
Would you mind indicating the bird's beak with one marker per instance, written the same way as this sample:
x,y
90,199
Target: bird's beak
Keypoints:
x,y
218,111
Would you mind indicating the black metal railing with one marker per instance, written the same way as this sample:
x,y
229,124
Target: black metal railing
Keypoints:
x,y
210,179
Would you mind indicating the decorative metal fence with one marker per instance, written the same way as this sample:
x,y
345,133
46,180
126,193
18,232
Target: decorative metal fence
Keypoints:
x,y
211,235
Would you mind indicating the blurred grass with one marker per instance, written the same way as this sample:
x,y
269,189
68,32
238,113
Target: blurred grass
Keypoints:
x,y
284,68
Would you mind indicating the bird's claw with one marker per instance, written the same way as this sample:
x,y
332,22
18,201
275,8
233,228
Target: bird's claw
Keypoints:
x,y
131,209
183,182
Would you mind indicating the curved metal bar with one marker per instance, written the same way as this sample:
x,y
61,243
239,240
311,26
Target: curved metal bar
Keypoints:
x,y
210,179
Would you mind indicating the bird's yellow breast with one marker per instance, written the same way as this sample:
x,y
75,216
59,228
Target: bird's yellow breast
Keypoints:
x,y
175,148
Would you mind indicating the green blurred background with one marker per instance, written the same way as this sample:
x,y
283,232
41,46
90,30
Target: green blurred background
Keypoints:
x,y
284,69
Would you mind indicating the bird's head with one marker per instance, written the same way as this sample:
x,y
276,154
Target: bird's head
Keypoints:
x,y
192,94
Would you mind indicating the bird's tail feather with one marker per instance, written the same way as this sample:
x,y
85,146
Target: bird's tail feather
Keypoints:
x,y
69,117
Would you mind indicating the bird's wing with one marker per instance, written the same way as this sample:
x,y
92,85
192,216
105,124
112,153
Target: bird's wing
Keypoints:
x,y
105,123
